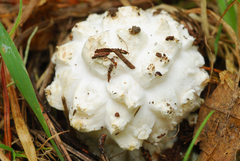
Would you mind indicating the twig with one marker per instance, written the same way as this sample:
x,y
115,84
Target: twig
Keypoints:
x,y
119,53
72,131
101,149
146,154
104,52
109,71
77,153
209,68
100,55
47,75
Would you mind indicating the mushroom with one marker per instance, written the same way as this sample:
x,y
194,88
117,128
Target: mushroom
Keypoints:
x,y
132,74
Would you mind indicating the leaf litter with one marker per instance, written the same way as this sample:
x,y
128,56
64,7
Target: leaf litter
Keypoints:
x,y
55,19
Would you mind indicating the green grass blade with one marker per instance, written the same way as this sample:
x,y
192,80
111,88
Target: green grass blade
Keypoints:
x,y
28,45
233,16
18,20
230,17
18,154
5,147
217,39
21,79
196,136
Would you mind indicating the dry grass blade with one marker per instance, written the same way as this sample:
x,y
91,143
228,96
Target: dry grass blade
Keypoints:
x,y
56,138
205,27
211,63
20,125
204,17
125,2
230,32
41,137
53,136
7,132
227,28
3,157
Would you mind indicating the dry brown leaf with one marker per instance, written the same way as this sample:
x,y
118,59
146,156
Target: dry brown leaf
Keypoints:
x,y
220,138
229,59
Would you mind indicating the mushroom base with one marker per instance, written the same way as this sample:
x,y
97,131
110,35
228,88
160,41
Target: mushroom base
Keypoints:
x,y
115,153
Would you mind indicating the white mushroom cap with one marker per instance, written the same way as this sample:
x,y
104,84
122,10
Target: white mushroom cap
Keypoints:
x,y
137,98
